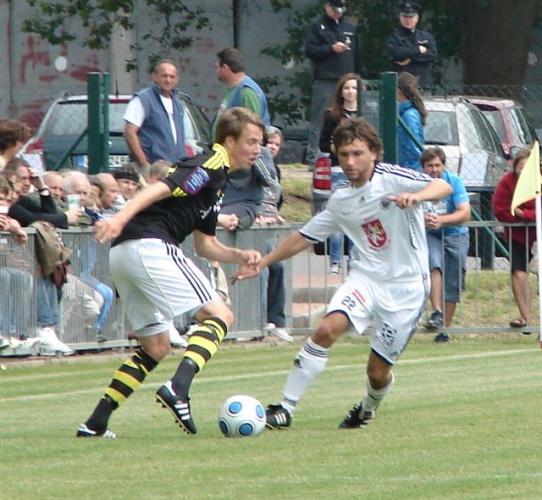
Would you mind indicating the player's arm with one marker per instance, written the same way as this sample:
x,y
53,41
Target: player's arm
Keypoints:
x,y
106,230
435,190
289,246
209,247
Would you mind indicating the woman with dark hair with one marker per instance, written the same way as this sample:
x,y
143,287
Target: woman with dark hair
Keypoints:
x,y
343,107
520,239
412,111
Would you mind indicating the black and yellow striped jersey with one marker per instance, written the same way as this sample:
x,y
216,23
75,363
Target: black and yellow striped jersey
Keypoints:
x,y
197,187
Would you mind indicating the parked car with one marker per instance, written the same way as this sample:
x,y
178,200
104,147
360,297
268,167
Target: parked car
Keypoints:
x,y
507,117
65,122
473,150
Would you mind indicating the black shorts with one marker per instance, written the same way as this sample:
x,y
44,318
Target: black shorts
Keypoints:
x,y
520,256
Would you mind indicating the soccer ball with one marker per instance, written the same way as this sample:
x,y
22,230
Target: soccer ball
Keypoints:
x,y
241,416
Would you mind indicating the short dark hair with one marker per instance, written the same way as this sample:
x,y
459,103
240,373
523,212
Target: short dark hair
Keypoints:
x,y
357,128
432,153
12,132
232,58
231,123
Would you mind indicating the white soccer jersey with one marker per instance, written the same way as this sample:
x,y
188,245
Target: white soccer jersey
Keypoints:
x,y
389,242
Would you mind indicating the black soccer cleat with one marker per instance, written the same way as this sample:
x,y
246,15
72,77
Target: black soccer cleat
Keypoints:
x,y
180,408
357,417
84,431
277,417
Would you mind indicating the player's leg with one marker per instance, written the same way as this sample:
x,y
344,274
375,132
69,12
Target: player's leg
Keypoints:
x,y
138,268
311,360
128,377
194,293
213,321
397,312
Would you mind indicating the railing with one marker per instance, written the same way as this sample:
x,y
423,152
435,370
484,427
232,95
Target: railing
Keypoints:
x,y
487,303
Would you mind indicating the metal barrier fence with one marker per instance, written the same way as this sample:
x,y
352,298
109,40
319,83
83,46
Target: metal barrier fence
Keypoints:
x,y
487,303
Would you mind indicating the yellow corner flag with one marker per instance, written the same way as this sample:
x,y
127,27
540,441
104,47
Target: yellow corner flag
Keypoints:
x,y
528,185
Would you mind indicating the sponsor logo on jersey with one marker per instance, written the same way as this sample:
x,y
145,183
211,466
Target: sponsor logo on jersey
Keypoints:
x,y
195,181
376,234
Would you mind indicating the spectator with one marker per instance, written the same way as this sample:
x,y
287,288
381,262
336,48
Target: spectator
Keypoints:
x,y
272,277
13,135
344,106
411,49
520,239
128,180
242,90
55,183
447,242
333,49
97,190
16,280
159,170
27,209
154,127
77,183
412,111
111,200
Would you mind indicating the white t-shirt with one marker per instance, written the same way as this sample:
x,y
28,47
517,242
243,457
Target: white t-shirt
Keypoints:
x,y
135,113
389,242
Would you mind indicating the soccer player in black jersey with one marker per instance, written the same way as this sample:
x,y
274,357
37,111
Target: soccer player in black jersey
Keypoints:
x,y
156,282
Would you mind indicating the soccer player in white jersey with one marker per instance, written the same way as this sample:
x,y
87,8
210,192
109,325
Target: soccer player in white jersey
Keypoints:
x,y
387,286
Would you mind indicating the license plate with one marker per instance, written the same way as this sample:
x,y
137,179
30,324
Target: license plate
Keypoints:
x,y
115,161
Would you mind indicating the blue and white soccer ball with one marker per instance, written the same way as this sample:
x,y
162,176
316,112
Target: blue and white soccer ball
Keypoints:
x,y
241,416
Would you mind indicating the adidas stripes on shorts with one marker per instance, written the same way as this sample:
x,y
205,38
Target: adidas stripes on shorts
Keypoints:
x,y
156,282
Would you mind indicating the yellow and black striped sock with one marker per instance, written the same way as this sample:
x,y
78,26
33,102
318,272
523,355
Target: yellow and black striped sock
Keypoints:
x,y
202,344
126,380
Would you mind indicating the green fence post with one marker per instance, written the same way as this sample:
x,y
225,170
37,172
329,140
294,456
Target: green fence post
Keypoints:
x,y
106,87
98,122
388,115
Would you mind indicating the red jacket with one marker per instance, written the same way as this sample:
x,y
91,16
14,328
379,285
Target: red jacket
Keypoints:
x,y
502,200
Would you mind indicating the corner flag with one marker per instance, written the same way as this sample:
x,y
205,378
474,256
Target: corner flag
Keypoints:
x,y
528,185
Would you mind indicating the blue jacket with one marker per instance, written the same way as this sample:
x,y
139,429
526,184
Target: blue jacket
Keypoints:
x,y
408,152
155,132
235,98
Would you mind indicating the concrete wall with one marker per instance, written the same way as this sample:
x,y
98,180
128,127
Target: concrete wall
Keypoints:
x,y
29,80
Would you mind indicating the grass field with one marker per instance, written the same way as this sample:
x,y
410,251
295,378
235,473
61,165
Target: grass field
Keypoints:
x,y
463,421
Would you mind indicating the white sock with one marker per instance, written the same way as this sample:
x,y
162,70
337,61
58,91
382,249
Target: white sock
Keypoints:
x,y
374,396
310,361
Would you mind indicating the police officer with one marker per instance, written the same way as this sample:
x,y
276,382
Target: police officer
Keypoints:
x,y
333,48
411,49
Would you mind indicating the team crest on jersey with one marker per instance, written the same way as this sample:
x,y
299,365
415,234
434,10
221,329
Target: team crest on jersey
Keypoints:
x,y
195,181
376,234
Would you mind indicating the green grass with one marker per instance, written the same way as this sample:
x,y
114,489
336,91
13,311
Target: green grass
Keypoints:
x,y
296,185
463,421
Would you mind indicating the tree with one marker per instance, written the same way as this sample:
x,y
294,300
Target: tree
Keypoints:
x,y
490,38
58,23
495,38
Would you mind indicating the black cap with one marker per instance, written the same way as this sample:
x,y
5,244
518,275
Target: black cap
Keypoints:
x,y
126,174
338,4
409,9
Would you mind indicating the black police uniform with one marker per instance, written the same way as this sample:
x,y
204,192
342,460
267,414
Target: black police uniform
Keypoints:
x,y
321,35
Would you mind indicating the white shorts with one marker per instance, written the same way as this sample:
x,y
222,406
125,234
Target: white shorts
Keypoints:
x,y
394,310
156,282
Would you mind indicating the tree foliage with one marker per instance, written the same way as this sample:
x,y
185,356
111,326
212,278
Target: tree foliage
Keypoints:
x,y
490,38
59,23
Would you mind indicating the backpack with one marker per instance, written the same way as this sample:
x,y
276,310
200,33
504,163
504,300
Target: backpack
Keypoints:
x,y
53,257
